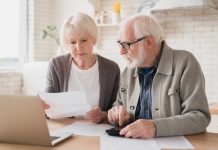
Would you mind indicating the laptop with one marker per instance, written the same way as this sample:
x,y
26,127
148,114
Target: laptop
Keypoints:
x,y
23,121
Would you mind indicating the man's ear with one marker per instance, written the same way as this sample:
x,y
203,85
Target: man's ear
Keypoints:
x,y
150,39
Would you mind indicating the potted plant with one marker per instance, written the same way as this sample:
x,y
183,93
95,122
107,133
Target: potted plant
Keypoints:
x,y
51,31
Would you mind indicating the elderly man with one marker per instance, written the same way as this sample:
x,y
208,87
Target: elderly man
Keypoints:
x,y
162,91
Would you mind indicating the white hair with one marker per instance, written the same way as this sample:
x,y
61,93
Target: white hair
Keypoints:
x,y
79,22
146,25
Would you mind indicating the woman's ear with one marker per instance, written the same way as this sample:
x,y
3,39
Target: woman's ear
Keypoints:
x,y
94,42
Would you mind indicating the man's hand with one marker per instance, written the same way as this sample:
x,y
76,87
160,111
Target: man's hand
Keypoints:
x,y
118,115
140,129
96,115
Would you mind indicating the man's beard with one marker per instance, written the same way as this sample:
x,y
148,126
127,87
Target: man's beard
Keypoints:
x,y
138,61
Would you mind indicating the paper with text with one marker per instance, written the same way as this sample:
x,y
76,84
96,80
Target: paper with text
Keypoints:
x,y
87,129
65,104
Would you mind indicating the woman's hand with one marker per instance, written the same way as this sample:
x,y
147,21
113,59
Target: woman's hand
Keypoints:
x,y
44,105
96,115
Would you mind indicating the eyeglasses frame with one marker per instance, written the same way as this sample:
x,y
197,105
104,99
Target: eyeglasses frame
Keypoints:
x,y
121,44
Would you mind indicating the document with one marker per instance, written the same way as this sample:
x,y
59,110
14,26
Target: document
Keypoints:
x,y
87,129
120,143
175,142
65,104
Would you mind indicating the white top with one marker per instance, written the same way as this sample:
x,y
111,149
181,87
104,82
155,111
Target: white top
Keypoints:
x,y
87,81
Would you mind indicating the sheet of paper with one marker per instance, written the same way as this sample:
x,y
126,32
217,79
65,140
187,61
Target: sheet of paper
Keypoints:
x,y
65,104
177,142
87,129
120,143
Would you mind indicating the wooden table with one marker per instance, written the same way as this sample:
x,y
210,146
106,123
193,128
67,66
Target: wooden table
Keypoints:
x,y
204,141
214,109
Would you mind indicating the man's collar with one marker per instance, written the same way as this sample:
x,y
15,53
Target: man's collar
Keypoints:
x,y
159,55
164,61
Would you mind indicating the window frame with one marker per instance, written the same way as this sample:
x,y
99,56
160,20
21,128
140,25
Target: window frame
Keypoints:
x,y
17,66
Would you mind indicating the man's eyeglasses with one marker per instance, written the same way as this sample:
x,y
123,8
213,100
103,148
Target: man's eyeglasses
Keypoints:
x,y
126,45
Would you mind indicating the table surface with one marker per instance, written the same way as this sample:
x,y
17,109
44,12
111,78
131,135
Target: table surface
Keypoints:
x,y
214,109
203,141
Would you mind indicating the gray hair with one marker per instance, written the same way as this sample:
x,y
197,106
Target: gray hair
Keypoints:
x,y
79,22
146,25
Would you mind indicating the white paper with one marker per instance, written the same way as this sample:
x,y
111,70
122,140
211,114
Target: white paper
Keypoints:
x,y
87,129
120,143
65,104
177,142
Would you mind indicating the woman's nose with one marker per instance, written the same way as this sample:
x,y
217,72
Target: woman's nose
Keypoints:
x,y
78,46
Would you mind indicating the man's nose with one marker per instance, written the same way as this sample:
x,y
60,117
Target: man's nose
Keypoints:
x,y
123,51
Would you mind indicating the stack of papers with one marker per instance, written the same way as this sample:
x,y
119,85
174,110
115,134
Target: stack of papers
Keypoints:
x,y
65,104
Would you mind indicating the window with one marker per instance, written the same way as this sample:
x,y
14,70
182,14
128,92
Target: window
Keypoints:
x,y
13,33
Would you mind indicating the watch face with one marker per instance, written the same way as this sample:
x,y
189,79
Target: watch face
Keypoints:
x,y
146,6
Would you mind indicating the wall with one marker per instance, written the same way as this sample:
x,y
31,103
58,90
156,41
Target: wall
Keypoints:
x,y
192,30
65,8
40,14
10,83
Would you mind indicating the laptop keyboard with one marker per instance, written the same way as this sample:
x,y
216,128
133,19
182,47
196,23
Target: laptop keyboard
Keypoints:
x,y
54,138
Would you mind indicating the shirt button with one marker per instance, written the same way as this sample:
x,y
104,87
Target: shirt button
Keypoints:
x,y
132,107
123,89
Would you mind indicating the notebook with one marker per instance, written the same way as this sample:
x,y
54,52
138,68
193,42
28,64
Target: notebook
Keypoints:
x,y
22,121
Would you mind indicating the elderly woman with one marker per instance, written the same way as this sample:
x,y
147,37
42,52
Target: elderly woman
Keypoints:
x,y
81,69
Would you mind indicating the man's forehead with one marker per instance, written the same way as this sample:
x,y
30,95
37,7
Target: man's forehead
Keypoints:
x,y
126,33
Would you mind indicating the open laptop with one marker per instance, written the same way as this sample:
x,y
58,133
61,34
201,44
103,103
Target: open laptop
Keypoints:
x,y
22,121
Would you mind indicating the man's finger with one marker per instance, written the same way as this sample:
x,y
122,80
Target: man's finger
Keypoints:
x,y
110,116
122,116
124,130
